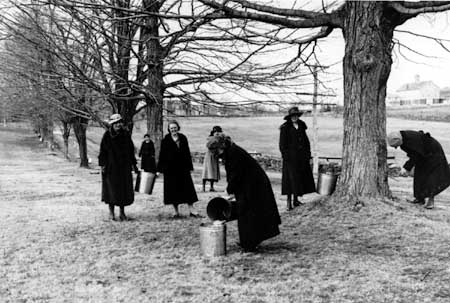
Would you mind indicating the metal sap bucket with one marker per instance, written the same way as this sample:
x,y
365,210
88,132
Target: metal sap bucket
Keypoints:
x,y
145,182
221,209
213,239
326,183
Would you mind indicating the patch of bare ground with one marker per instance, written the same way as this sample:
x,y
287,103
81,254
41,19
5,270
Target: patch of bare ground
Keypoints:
x,y
57,244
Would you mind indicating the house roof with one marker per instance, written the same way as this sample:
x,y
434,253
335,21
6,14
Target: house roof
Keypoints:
x,y
415,85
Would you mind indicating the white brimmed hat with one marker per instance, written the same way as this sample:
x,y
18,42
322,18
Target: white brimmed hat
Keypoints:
x,y
114,119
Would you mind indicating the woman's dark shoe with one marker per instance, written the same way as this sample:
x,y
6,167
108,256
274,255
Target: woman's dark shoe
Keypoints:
x,y
193,215
417,201
297,203
112,217
122,217
249,249
212,189
176,216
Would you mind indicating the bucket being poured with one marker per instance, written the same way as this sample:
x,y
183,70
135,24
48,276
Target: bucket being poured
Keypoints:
x,y
221,209
213,236
213,239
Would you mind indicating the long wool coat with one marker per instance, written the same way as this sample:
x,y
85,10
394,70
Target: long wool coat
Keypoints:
x,y
258,216
211,169
147,154
117,156
431,172
297,177
175,163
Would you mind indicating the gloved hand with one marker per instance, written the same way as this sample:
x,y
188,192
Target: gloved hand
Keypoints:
x,y
404,172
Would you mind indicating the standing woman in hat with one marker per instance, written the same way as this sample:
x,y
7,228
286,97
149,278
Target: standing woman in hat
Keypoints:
x,y
297,178
175,162
211,171
116,159
147,154
426,156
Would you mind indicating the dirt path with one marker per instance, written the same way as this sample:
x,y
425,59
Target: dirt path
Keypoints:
x,y
57,245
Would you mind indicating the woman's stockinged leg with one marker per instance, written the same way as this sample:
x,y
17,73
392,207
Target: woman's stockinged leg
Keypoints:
x,y
112,216
122,216
288,202
177,214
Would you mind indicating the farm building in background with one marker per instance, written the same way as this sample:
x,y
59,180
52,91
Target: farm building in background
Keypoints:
x,y
185,108
418,93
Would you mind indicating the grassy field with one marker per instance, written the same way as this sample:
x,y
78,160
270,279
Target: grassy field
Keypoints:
x,y
260,134
427,113
57,244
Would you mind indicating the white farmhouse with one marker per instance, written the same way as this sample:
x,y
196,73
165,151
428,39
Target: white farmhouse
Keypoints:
x,y
417,93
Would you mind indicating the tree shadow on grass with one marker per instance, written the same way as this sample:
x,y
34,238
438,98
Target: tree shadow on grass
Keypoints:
x,y
279,247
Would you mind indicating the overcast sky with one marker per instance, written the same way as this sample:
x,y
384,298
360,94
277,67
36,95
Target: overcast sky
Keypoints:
x,y
406,64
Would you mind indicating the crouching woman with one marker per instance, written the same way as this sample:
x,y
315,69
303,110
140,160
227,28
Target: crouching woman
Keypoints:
x,y
426,156
258,216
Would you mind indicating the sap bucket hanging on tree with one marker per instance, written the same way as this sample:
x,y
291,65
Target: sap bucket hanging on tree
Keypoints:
x,y
326,183
327,179
145,182
222,209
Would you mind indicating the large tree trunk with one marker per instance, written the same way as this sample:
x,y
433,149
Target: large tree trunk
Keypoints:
x,y
79,128
367,65
123,30
47,133
127,109
154,59
66,135
155,125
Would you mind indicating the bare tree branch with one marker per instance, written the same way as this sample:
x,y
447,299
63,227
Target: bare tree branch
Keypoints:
x,y
322,19
419,8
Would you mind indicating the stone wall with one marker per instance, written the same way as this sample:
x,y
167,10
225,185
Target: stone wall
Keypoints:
x,y
272,163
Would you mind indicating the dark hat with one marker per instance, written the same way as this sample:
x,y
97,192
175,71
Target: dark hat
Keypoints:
x,y
220,141
217,128
293,111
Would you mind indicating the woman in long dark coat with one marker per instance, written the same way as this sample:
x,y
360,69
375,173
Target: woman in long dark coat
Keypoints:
x,y
431,169
116,159
175,162
297,178
257,211
147,154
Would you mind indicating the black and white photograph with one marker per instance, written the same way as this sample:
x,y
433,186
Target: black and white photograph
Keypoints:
x,y
224,151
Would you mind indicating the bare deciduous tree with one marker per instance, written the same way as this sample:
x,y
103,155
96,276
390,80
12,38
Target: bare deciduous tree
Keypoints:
x,y
367,28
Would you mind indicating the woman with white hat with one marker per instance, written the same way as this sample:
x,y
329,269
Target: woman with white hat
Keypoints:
x,y
116,159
